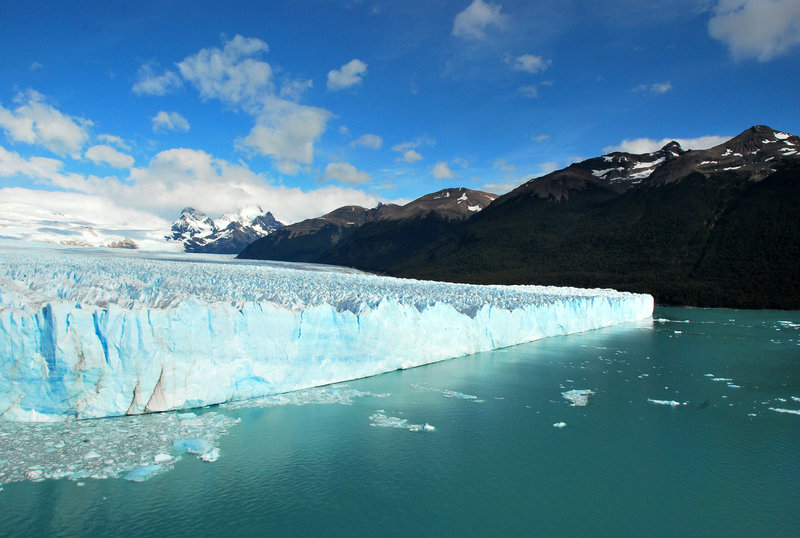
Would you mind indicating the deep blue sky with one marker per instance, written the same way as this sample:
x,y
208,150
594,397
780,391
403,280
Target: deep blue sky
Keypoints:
x,y
123,112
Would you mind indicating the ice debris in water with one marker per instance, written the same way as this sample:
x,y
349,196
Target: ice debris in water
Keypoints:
x,y
559,425
789,411
671,403
381,420
449,393
93,334
334,394
134,448
578,397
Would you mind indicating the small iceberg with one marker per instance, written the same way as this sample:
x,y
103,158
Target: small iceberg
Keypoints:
x,y
141,474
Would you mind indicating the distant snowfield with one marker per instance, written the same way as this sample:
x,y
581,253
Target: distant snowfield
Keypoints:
x,y
90,333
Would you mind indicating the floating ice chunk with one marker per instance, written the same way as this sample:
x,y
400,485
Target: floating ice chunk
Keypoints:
x,y
671,403
449,393
578,397
142,473
722,379
381,420
210,456
192,446
559,425
91,455
789,411
732,386
162,458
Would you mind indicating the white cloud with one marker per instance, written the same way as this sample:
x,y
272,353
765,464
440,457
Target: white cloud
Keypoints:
x,y
350,74
36,66
761,29
499,188
476,18
287,131
648,145
541,138
507,169
37,168
346,173
408,149
36,122
106,154
369,140
441,170
657,88
169,121
284,129
547,167
294,89
230,74
410,156
528,63
529,91
113,139
149,83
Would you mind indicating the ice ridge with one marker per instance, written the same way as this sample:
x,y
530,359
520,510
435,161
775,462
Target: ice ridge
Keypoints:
x,y
89,335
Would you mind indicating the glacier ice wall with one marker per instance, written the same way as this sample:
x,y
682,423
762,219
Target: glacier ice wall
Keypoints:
x,y
91,334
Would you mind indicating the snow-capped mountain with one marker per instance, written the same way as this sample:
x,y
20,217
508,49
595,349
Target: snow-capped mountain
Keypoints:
x,y
756,152
228,234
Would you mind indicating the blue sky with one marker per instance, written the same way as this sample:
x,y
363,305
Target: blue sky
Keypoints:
x,y
118,114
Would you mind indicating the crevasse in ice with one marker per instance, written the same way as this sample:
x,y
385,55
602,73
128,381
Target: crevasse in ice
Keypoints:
x,y
91,334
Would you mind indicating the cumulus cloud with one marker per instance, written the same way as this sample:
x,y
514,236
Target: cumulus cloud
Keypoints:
x,y
169,121
476,18
232,74
350,74
657,88
286,131
36,122
114,139
529,91
150,83
761,29
528,63
346,173
441,170
102,154
649,145
408,149
410,156
369,140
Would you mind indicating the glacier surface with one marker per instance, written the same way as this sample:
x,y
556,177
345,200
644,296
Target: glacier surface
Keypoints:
x,y
91,333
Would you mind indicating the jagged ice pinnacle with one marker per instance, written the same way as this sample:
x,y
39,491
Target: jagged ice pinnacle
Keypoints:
x,y
91,334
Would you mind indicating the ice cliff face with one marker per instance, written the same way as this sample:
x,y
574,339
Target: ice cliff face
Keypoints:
x,y
96,334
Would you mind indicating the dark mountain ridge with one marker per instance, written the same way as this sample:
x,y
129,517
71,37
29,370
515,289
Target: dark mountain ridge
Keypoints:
x,y
326,239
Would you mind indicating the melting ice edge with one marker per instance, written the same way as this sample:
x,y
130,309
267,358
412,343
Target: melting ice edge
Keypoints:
x,y
95,334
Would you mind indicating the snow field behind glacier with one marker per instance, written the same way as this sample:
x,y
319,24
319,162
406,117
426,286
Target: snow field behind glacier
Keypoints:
x,y
90,334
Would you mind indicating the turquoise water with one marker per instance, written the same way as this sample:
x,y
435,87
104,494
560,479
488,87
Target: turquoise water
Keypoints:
x,y
679,435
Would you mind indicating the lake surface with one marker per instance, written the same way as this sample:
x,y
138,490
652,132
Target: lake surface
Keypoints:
x,y
687,425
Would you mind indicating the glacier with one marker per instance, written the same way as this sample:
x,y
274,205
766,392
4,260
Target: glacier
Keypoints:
x,y
89,333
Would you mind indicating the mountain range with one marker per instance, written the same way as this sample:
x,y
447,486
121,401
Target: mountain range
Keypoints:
x,y
350,234
714,227
228,234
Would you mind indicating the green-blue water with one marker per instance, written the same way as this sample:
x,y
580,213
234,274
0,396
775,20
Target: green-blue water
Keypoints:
x,y
722,462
